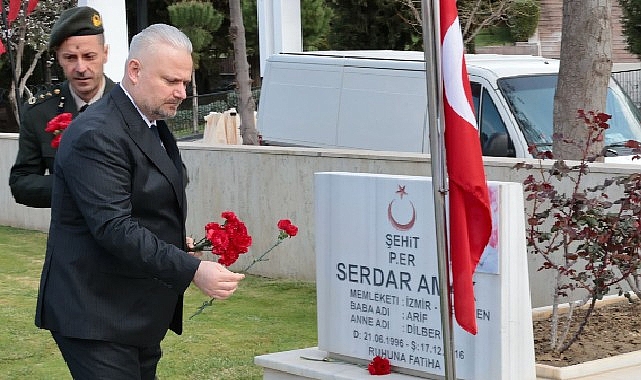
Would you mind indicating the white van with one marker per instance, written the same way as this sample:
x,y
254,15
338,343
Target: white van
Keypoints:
x,y
377,100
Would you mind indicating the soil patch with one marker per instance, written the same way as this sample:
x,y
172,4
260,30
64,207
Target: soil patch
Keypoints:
x,y
611,330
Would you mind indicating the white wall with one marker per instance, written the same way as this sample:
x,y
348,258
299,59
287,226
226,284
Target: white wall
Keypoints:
x,y
114,19
265,184
279,28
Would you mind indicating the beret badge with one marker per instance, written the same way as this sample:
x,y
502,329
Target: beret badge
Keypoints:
x,y
96,20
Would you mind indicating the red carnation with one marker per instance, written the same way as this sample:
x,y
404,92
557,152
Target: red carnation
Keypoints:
x,y
228,240
287,226
379,366
56,126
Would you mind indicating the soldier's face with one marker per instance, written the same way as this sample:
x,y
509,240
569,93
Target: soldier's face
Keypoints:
x,y
82,59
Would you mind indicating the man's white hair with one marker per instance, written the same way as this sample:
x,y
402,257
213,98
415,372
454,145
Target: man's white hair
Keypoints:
x,y
150,39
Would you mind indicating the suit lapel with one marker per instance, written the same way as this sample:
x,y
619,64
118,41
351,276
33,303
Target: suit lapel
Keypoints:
x,y
147,142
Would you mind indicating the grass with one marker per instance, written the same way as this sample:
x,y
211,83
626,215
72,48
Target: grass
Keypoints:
x,y
263,316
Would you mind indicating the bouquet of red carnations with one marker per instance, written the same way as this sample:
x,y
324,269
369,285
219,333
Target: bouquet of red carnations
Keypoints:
x,y
229,240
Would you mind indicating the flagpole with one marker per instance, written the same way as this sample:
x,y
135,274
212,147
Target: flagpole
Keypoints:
x,y
433,77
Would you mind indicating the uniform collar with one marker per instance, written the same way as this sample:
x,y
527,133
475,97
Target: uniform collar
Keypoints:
x,y
78,100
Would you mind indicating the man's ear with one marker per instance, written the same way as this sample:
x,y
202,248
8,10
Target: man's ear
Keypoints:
x,y
106,54
133,70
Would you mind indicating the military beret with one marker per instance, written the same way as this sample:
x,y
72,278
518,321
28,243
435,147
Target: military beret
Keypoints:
x,y
78,21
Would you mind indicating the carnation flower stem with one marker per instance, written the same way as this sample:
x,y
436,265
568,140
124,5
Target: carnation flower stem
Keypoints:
x,y
200,246
202,307
287,229
260,258
206,304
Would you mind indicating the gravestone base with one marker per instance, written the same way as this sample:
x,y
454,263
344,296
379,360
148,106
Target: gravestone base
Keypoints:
x,y
309,363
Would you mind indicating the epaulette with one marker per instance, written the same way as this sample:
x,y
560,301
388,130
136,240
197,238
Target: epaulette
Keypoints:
x,y
44,95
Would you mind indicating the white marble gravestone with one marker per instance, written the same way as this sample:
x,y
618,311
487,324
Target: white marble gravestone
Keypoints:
x,y
378,287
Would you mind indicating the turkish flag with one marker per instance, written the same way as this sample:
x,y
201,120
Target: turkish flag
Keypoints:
x,y
470,215
14,9
31,6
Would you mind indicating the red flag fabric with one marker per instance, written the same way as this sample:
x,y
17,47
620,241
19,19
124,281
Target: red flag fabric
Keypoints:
x,y
2,48
14,9
31,6
470,215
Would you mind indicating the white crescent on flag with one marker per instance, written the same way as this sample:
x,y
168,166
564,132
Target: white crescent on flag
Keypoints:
x,y
453,73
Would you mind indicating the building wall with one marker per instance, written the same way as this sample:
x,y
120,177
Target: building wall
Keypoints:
x,y
547,41
550,31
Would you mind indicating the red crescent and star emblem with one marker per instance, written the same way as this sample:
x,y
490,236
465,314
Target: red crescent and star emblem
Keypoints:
x,y
395,223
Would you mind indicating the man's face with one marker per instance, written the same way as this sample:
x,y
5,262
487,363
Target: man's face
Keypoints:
x,y
82,59
161,82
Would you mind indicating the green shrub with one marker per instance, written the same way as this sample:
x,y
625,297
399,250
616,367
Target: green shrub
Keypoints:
x,y
494,35
523,18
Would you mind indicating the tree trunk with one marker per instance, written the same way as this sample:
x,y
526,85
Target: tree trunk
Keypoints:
x,y
15,98
246,104
14,103
586,67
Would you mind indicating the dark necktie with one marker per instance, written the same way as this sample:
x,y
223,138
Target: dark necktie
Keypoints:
x,y
166,136
154,129
83,108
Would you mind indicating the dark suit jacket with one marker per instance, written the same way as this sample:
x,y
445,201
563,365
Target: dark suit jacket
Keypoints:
x,y
29,184
115,269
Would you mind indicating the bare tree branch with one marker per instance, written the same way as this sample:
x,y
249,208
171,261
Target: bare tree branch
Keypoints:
x,y
474,15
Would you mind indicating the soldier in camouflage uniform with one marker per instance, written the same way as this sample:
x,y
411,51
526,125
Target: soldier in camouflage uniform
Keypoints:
x,y
78,40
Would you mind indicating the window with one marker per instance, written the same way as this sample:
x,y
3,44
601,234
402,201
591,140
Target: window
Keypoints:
x,y
495,140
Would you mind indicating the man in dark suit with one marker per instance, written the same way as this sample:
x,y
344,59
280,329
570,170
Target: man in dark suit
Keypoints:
x,y
116,265
78,40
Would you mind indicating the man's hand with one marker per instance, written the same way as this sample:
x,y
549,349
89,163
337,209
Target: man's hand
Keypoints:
x,y
190,244
215,280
